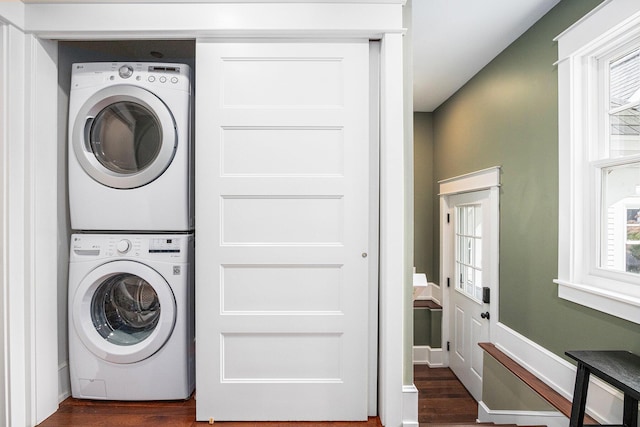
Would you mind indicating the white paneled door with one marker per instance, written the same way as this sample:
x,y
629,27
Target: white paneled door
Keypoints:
x,y
282,187
473,275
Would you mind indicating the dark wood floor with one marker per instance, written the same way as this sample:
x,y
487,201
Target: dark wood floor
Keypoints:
x,y
442,399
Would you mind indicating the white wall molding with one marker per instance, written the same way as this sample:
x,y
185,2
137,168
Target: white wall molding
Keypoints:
x,y
228,19
409,406
604,403
528,418
474,181
13,12
425,355
431,292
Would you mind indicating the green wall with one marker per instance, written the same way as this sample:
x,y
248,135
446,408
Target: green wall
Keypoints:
x,y
507,116
424,203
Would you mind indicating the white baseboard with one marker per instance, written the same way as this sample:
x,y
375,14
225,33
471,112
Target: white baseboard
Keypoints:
x,y
425,355
409,406
604,402
432,292
526,418
64,383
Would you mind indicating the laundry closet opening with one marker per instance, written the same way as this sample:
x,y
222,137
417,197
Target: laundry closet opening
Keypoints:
x,y
70,52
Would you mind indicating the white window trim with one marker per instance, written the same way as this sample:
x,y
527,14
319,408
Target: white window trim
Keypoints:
x,y
578,48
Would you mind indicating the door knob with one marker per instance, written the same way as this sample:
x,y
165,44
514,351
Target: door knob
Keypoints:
x,y
485,315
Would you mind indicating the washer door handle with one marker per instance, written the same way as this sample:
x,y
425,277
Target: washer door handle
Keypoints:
x,y
87,133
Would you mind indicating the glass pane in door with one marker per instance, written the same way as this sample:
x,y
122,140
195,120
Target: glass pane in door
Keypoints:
x,y
125,137
125,309
468,241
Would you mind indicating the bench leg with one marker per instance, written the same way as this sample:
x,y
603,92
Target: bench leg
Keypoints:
x,y
580,397
630,417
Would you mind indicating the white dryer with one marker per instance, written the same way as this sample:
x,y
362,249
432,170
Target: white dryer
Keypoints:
x,y
131,319
130,147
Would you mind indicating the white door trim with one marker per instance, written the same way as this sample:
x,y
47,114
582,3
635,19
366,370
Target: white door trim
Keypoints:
x,y
3,228
486,179
382,24
474,181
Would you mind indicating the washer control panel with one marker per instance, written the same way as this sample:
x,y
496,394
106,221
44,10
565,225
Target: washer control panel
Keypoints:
x,y
92,246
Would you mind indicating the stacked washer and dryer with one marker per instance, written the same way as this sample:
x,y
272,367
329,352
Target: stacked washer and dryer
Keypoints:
x,y
131,271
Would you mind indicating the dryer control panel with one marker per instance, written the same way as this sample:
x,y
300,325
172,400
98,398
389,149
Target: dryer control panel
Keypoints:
x,y
145,74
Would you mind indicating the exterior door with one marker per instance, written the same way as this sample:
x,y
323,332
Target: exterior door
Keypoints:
x,y
282,193
471,230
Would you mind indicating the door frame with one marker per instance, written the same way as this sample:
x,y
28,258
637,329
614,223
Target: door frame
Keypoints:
x,y
45,381
485,179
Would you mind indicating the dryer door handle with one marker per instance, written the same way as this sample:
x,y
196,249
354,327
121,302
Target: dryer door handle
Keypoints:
x,y
87,133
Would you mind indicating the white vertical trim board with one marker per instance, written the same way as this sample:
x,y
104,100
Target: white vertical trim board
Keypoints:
x,y
392,254
16,238
410,406
374,220
42,115
3,226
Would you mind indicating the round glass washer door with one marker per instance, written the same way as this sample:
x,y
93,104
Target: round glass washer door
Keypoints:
x,y
124,137
124,311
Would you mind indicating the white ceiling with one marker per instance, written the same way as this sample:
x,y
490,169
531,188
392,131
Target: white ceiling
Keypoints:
x,y
454,39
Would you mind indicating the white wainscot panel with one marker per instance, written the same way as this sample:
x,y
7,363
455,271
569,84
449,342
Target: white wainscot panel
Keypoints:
x,y
281,288
282,220
282,82
476,350
274,357
459,330
283,151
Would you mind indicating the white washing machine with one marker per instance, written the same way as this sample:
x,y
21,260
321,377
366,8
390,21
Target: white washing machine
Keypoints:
x,y
131,319
130,148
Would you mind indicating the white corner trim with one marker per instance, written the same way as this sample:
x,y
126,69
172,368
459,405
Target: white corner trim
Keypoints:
x,y
432,292
425,355
478,180
409,406
64,383
529,418
604,403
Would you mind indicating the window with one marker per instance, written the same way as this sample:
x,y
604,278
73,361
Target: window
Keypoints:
x,y
469,250
599,170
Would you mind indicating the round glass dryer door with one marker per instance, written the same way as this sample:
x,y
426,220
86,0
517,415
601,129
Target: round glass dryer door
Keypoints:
x,y
124,137
124,311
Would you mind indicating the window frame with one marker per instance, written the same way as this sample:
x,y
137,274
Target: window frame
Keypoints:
x,y
602,32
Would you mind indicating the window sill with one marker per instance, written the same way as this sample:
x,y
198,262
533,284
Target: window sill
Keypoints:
x,y
606,301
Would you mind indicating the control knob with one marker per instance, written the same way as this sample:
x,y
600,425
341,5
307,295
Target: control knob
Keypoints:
x,y
123,246
125,71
